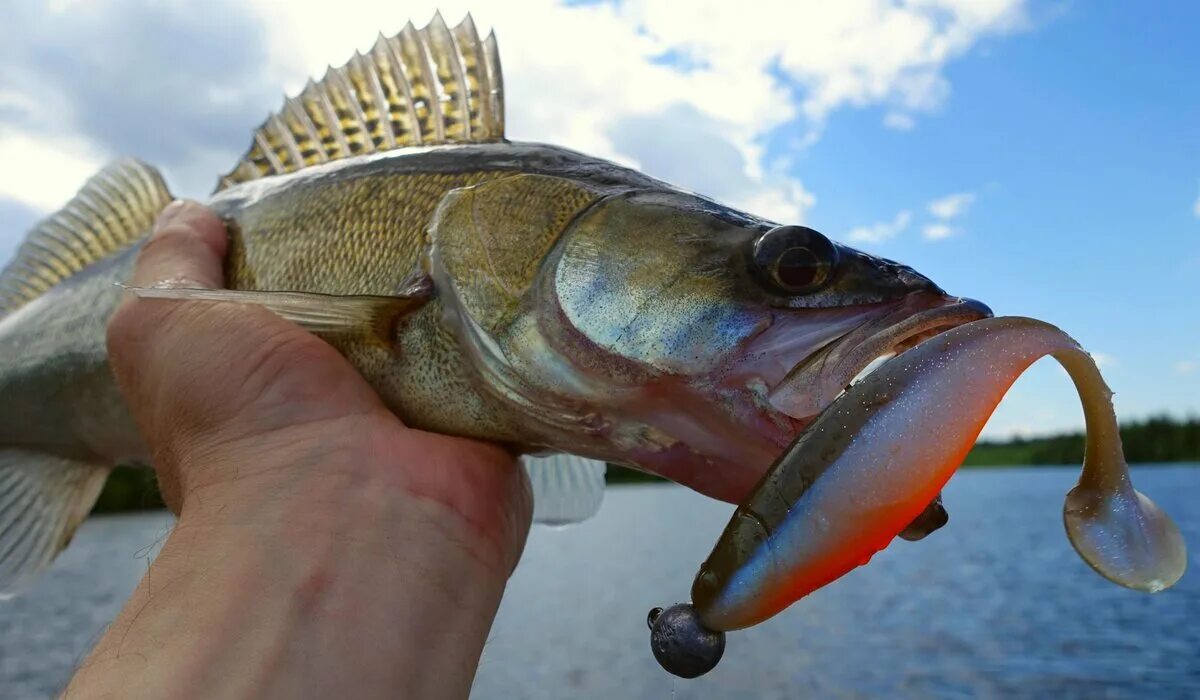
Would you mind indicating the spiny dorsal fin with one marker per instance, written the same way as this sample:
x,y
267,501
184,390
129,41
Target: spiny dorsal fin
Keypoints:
x,y
113,209
421,87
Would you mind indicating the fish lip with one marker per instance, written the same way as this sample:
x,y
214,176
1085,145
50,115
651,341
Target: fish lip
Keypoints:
x,y
815,382
924,325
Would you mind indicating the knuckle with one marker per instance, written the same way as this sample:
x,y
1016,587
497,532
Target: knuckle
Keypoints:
x,y
138,326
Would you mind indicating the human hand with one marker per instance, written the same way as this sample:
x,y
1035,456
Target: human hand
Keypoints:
x,y
322,547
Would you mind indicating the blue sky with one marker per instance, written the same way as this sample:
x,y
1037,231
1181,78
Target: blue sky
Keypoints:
x,y
1041,156
1080,140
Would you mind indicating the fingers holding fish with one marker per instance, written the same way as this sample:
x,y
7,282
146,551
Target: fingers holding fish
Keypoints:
x,y
241,376
185,248
249,383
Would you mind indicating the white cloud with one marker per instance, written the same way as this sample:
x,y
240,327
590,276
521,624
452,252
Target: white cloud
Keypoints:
x,y
103,78
945,210
951,206
43,173
936,232
574,75
603,62
1103,360
784,200
899,121
1185,367
882,231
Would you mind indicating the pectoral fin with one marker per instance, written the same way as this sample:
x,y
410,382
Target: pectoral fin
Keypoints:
x,y
566,488
322,314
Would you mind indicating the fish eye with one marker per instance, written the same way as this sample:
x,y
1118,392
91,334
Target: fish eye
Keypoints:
x,y
795,259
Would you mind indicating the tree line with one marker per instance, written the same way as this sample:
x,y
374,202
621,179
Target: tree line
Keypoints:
x,y
1156,439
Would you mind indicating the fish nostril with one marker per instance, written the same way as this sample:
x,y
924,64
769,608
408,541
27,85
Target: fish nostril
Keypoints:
x,y
983,309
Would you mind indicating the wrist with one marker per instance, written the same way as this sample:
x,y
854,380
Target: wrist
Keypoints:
x,y
302,567
331,580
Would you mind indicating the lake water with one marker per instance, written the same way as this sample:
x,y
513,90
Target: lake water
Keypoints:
x,y
996,604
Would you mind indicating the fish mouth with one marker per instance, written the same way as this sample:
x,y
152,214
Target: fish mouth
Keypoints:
x,y
816,381
778,385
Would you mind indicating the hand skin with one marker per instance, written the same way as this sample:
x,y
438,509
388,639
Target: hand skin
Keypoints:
x,y
323,549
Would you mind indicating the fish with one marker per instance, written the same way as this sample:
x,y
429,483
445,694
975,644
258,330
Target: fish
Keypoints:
x,y
577,311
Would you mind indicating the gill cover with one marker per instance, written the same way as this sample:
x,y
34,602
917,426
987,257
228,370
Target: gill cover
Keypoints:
x,y
488,243
652,278
489,240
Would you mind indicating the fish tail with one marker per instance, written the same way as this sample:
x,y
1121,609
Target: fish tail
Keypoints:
x,y
44,496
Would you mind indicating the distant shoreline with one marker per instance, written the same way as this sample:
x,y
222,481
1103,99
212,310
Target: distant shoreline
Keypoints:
x,y
1158,439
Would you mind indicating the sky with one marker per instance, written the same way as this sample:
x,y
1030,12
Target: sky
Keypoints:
x,y
1043,157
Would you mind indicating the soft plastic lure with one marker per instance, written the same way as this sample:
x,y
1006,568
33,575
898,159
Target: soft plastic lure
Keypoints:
x,y
875,458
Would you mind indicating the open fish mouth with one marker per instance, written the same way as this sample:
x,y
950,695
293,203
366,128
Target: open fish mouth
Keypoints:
x,y
781,382
816,381
832,500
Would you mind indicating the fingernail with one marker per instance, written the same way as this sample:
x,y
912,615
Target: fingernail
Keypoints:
x,y
169,214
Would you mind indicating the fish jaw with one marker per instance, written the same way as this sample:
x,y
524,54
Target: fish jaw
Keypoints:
x,y
728,427
719,431
814,384
715,427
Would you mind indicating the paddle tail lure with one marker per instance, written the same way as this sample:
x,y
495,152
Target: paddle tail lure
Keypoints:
x,y
873,461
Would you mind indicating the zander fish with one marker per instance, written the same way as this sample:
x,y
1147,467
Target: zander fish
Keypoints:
x,y
579,311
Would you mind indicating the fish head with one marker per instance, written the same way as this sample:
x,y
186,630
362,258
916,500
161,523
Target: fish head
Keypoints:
x,y
676,335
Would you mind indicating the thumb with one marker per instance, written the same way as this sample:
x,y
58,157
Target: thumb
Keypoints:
x,y
185,249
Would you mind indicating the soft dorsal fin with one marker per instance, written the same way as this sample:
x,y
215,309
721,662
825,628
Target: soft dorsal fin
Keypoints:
x,y
421,87
114,208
